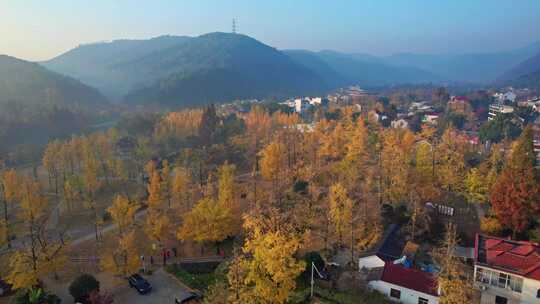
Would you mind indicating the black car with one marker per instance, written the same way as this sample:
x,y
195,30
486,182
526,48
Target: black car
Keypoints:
x,y
139,283
5,288
187,298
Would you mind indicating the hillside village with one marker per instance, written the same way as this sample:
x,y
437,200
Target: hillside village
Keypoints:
x,y
431,167
373,153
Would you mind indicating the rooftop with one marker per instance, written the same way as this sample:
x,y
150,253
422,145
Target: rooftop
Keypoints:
x,y
391,245
410,278
518,257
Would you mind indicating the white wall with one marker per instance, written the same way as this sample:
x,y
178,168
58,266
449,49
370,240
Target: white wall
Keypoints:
x,y
408,296
527,295
369,262
530,289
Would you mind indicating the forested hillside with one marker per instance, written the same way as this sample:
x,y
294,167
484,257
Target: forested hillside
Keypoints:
x,y
183,71
37,105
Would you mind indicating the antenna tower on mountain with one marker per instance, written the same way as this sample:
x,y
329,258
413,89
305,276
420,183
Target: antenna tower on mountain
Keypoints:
x,y
234,26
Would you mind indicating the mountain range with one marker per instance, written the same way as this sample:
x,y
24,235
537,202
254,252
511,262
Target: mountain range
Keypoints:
x,y
525,74
216,67
183,71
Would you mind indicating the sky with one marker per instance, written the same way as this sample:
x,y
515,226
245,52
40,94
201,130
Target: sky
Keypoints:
x,y
39,30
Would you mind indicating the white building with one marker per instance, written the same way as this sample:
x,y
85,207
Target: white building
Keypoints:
x,y
384,272
498,108
508,96
420,107
406,285
301,104
400,123
431,118
506,271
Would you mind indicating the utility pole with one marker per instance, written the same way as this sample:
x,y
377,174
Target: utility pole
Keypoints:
x,y
313,267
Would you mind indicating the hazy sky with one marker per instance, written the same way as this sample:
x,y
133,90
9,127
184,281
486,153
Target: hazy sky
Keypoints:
x,y
39,29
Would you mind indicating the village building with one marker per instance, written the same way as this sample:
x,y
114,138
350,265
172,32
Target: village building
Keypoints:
x,y
459,104
498,108
507,271
388,269
509,96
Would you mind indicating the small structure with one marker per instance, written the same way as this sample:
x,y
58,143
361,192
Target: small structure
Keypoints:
x,y
388,249
431,118
399,124
506,271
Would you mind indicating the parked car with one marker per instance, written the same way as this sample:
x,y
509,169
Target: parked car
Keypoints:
x,y
5,288
139,283
188,297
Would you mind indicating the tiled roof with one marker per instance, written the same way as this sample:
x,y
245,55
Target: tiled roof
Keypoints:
x,y
410,278
521,258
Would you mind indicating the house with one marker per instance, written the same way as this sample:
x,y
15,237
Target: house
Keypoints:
x,y
419,107
534,103
390,248
497,108
459,104
431,118
301,104
388,270
406,285
508,96
507,271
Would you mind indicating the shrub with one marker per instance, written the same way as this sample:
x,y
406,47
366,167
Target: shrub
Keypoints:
x,y
534,235
34,295
82,286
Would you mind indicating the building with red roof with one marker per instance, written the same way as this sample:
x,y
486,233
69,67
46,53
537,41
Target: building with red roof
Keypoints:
x,y
406,285
507,271
387,269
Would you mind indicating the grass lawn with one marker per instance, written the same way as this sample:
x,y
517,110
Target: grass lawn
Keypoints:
x,y
199,281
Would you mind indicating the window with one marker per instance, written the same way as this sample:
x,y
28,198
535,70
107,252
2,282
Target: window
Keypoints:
x,y
394,293
423,301
515,283
503,280
500,280
500,300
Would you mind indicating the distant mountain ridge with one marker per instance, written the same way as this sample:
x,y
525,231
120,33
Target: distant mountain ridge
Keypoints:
x,y
215,67
362,69
472,67
186,71
95,64
529,66
27,83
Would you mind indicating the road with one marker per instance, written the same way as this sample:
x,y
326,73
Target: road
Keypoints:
x,y
103,230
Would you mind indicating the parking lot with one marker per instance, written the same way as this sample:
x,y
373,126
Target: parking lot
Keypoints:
x,y
164,289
